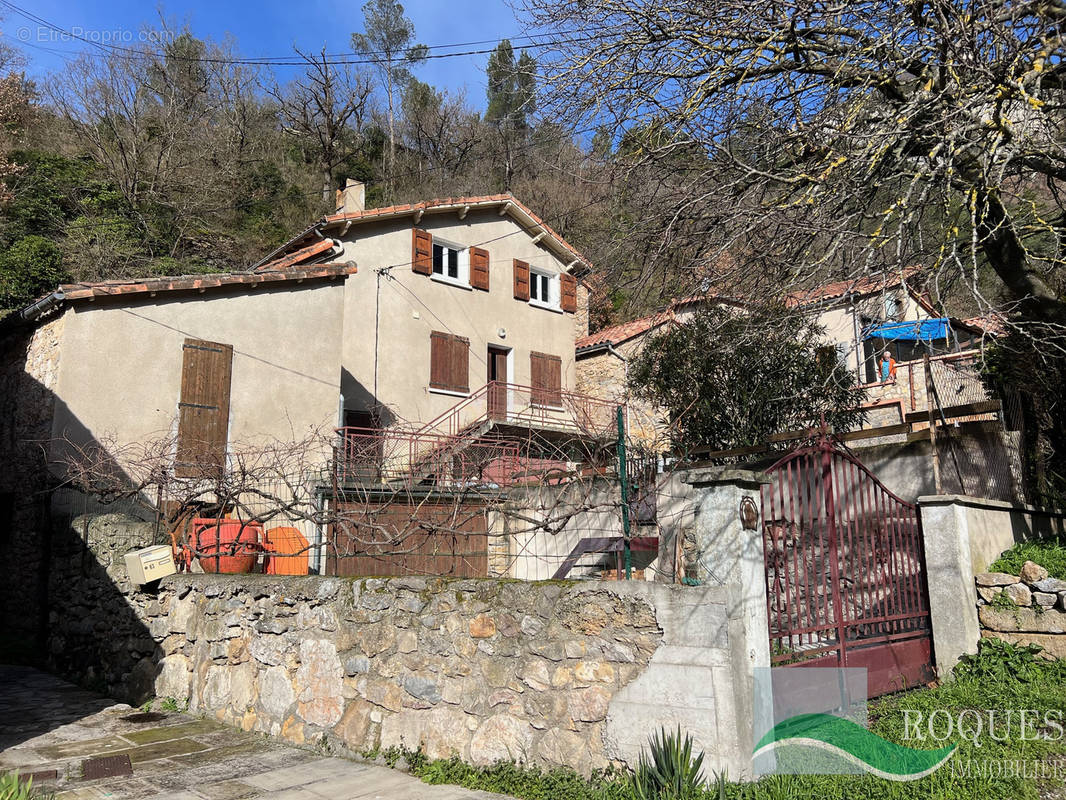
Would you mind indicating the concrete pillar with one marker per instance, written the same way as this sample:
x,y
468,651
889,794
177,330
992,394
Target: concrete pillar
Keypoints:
x,y
949,572
727,528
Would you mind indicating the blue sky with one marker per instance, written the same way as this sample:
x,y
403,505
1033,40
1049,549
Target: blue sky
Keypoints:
x,y
272,28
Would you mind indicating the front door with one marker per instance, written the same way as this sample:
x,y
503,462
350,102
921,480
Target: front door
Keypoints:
x,y
497,375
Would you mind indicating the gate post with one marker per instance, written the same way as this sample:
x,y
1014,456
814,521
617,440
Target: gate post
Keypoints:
x,y
728,536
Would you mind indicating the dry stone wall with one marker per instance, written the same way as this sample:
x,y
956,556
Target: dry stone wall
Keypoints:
x,y
486,670
1029,608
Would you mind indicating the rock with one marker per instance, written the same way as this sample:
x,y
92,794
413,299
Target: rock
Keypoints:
x,y
995,579
1019,593
442,732
385,694
535,675
269,650
409,583
354,727
216,691
619,653
588,705
1050,585
1054,644
293,730
501,738
565,748
407,642
1032,572
599,671
320,681
174,677
1021,619
1045,599
377,638
482,627
988,593
531,626
356,665
422,688
275,693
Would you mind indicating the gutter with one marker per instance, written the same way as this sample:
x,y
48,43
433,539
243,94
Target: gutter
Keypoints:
x,y
39,308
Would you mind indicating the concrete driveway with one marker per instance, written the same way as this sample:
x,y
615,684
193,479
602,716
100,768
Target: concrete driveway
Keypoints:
x,y
74,742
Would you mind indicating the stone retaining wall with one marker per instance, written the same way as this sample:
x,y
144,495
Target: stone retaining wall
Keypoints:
x,y
483,669
1029,608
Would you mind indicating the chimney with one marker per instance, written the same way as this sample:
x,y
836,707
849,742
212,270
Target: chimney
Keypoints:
x,y
352,197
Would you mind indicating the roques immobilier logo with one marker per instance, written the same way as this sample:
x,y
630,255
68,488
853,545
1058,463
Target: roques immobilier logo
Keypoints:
x,y
813,721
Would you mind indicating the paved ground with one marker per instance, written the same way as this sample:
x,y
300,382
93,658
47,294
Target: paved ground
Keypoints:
x,y
49,725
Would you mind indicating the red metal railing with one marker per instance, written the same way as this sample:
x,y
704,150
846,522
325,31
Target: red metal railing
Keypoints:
x,y
514,404
372,455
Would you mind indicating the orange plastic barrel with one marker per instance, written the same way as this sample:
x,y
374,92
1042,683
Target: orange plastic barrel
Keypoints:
x,y
227,545
291,548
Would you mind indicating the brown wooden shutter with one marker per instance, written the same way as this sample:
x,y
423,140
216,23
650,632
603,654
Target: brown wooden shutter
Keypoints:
x,y
449,362
460,359
479,268
546,372
521,280
421,251
203,409
568,293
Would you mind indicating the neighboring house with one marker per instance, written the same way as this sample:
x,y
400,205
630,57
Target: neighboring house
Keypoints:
x,y
861,318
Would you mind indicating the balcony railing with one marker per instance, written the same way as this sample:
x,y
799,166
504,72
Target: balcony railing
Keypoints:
x,y
527,406
396,456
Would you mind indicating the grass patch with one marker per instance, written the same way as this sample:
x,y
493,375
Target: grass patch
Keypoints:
x,y
1001,677
1050,554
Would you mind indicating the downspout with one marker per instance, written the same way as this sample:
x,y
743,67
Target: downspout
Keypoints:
x,y
41,307
625,375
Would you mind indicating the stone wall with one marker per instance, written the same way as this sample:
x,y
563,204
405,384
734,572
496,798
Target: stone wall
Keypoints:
x,y
1029,608
482,669
29,364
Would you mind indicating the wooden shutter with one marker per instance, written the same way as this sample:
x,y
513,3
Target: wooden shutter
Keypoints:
x,y
203,409
546,373
421,251
479,268
568,293
521,280
449,362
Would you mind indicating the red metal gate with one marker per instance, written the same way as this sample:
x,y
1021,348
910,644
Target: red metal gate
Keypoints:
x,y
845,570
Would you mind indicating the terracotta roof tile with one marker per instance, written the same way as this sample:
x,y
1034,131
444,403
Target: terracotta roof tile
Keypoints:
x,y
184,283
476,201
867,284
622,332
991,322
312,250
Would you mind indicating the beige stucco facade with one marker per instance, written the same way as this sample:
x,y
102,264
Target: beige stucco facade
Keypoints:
x,y
390,312
119,377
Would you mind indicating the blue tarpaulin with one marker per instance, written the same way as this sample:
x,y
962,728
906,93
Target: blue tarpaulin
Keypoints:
x,y
915,331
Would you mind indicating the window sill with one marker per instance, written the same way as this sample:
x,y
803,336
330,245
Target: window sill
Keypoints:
x,y
449,392
548,407
456,282
545,306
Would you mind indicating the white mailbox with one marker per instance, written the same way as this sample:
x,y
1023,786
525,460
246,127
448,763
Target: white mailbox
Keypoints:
x,y
150,564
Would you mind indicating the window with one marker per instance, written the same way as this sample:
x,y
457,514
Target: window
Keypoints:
x,y
545,378
449,362
542,288
203,409
451,263
446,261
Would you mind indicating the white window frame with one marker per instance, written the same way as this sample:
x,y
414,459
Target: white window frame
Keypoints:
x,y
552,303
463,259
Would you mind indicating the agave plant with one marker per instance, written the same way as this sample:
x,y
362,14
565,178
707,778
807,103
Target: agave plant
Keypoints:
x,y
11,788
669,771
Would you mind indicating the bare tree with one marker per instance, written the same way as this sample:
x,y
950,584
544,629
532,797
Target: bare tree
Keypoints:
x,y
324,108
836,138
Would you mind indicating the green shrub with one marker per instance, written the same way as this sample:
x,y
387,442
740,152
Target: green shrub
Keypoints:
x,y
1001,661
670,772
1051,555
12,789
